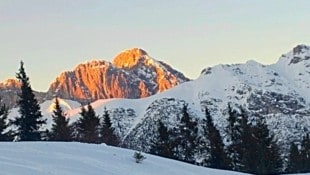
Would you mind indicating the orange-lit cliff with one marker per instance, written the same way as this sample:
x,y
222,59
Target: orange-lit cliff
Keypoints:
x,y
132,74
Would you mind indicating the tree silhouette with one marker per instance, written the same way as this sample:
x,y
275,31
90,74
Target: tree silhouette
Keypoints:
x,y
107,131
88,126
30,120
218,157
4,134
61,131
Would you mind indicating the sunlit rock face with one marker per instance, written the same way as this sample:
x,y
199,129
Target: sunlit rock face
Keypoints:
x,y
132,74
10,84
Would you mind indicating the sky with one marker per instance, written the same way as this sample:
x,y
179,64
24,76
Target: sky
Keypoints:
x,y
53,36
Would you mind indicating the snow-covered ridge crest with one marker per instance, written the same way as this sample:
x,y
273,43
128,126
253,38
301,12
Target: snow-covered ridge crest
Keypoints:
x,y
297,55
278,93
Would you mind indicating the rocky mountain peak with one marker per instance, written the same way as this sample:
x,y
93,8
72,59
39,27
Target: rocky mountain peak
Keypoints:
x,y
94,64
298,54
300,49
129,58
133,74
10,84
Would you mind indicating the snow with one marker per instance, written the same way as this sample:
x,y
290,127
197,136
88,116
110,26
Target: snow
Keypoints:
x,y
54,158
218,86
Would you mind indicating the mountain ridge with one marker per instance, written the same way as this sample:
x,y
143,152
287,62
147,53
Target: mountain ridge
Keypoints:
x,y
265,91
132,74
276,93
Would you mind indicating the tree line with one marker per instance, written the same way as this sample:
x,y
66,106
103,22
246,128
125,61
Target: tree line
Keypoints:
x,y
89,128
249,147
244,146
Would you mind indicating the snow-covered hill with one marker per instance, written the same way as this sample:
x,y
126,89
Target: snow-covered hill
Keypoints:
x,y
278,92
48,158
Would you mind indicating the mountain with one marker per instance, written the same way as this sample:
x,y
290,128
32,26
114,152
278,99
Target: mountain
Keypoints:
x,y
10,89
277,93
132,74
50,158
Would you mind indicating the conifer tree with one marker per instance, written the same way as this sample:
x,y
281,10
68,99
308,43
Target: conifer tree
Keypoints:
x,y
218,157
257,151
265,150
108,132
164,145
188,137
88,125
244,148
30,120
61,131
305,154
295,161
4,135
234,135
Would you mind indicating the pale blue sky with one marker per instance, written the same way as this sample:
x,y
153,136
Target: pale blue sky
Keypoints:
x,y
55,35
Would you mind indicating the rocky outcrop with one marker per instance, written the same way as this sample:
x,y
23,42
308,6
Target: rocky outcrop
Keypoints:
x,y
10,89
133,74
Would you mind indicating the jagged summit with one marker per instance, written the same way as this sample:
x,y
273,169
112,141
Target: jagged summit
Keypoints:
x,y
10,84
300,49
297,55
133,74
129,58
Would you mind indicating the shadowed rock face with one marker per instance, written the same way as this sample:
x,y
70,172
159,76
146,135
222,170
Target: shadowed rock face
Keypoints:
x,y
9,91
133,74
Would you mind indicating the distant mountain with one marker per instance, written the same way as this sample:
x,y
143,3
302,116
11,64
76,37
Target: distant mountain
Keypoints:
x,y
133,74
278,93
10,89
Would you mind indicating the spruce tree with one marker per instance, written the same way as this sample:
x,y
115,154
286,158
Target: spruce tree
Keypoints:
x,y
4,134
188,137
108,134
218,157
257,150
244,148
265,150
30,120
88,126
295,161
61,131
305,154
164,145
234,138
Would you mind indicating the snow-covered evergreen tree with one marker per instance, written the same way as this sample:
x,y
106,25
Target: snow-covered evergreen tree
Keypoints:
x,y
165,144
188,138
4,135
234,135
217,156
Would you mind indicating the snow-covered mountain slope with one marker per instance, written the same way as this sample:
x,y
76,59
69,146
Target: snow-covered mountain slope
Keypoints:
x,y
47,108
48,158
277,92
